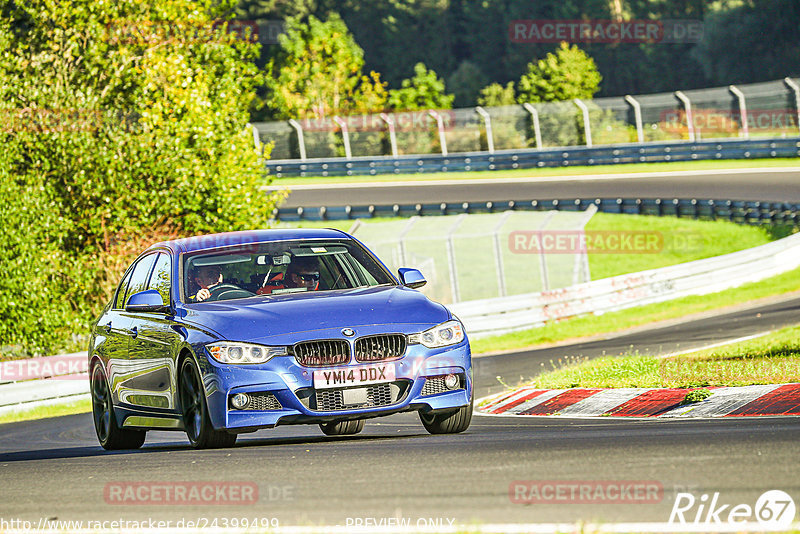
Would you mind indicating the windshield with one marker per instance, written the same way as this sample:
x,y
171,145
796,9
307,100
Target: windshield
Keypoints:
x,y
279,268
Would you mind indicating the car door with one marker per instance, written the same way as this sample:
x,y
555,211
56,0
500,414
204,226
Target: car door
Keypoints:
x,y
121,369
152,346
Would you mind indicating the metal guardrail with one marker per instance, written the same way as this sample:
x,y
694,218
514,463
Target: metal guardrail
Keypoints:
x,y
738,211
501,315
784,147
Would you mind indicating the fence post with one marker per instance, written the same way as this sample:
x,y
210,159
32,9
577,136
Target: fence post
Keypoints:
x,y
451,258
487,121
794,87
542,258
300,141
586,126
440,126
256,139
537,132
637,114
687,105
401,238
345,136
581,266
392,135
742,109
498,253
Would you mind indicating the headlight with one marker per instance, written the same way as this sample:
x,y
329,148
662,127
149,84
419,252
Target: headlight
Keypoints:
x,y
231,352
445,334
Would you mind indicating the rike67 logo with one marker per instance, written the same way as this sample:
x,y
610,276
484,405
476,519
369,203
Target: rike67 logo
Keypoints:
x,y
774,509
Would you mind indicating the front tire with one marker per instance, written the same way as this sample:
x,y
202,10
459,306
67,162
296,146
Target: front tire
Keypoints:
x,y
110,436
199,429
342,428
450,422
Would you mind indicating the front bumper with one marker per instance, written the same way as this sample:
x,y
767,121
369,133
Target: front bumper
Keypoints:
x,y
292,386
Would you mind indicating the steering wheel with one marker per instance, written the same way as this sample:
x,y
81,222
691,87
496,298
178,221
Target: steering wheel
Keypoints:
x,y
228,291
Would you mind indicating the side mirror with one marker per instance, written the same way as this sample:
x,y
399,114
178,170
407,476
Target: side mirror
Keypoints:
x,y
147,301
411,278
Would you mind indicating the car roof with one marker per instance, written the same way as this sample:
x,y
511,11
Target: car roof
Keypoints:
x,y
227,239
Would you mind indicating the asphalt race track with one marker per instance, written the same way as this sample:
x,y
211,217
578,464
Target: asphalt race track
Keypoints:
x,y
55,468
773,185
395,471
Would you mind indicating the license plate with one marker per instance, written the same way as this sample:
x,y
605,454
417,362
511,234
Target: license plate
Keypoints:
x,y
353,376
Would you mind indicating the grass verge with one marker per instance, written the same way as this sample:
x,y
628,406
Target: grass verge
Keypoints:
x,y
81,406
770,359
683,239
590,325
542,172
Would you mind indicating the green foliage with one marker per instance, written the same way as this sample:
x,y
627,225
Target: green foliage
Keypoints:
x,y
466,83
424,91
569,73
127,124
734,50
318,73
497,95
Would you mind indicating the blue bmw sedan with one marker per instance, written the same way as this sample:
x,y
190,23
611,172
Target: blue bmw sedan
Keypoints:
x,y
231,333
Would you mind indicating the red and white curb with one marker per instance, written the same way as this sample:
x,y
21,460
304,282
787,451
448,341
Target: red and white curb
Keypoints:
x,y
772,399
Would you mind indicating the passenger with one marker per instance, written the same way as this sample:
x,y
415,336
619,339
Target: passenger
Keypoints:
x,y
302,272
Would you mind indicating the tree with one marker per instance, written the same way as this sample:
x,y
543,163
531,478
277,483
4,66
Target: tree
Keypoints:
x,y
497,95
123,124
569,73
424,91
466,83
318,73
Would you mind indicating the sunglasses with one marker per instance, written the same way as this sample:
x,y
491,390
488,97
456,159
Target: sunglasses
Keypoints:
x,y
308,277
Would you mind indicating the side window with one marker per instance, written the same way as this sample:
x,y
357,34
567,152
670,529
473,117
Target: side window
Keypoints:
x,y
123,286
140,276
160,280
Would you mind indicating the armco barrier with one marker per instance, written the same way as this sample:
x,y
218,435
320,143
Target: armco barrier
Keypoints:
x,y
33,382
507,314
744,212
783,147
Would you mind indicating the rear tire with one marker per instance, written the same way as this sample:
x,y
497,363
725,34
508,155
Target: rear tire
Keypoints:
x,y
194,407
451,422
109,434
342,428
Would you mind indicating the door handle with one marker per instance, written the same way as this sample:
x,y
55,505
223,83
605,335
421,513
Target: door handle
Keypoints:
x,y
108,327
134,332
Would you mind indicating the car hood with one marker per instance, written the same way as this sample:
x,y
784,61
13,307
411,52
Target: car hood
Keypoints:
x,y
286,319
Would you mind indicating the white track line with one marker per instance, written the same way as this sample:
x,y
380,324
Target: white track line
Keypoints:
x,y
715,345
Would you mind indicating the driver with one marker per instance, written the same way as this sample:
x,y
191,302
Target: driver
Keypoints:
x,y
206,277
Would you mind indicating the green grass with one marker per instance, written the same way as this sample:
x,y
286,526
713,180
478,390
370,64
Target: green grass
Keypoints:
x,y
590,325
82,406
770,359
684,240
544,172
